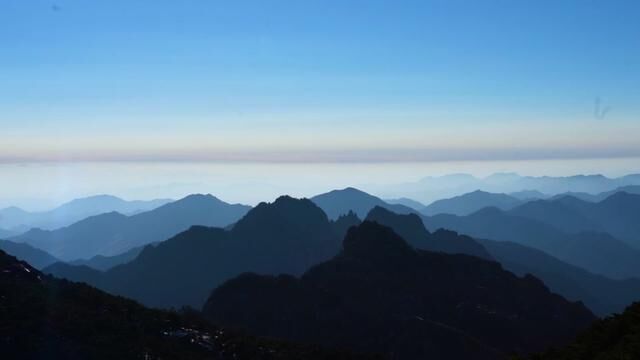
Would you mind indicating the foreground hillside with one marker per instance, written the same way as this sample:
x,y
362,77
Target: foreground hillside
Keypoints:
x,y
381,295
613,338
46,318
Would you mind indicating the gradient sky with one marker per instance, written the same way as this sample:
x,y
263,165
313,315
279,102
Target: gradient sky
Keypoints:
x,y
283,83
318,81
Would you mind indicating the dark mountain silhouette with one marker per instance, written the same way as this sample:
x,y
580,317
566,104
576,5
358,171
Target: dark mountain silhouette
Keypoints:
x,y
340,202
286,236
381,295
591,251
412,230
602,295
24,252
344,222
104,263
470,203
113,233
73,211
616,337
618,215
46,318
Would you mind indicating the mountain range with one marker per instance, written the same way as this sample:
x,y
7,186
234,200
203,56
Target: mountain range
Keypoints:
x,y
470,203
430,189
589,250
601,294
114,233
286,236
380,294
16,219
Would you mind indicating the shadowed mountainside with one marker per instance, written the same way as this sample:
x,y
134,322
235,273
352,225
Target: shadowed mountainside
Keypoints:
x,y
36,257
46,318
380,294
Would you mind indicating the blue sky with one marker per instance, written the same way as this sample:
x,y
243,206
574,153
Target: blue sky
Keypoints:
x,y
317,81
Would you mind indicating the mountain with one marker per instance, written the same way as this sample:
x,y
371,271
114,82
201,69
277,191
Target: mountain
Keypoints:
x,y
24,252
113,233
616,337
286,236
430,189
470,203
412,230
6,233
618,215
381,295
340,202
415,205
46,318
104,263
602,295
528,195
73,211
591,251
342,224
630,189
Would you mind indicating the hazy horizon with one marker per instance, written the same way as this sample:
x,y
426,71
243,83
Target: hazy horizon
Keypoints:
x,y
42,186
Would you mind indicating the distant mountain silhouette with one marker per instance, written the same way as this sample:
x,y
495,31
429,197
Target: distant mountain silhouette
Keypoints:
x,y
47,318
113,233
591,251
602,295
412,230
340,202
528,195
24,252
430,189
616,337
415,205
618,215
6,233
381,295
286,236
630,189
104,263
73,211
470,203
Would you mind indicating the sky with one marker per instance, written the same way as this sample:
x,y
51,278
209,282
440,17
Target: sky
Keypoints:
x,y
314,82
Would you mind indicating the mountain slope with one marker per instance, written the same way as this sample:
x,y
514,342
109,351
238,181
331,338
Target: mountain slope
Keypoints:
x,y
104,263
602,295
616,337
380,294
286,236
75,210
340,202
38,258
618,215
113,233
591,251
471,202
412,230
47,318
